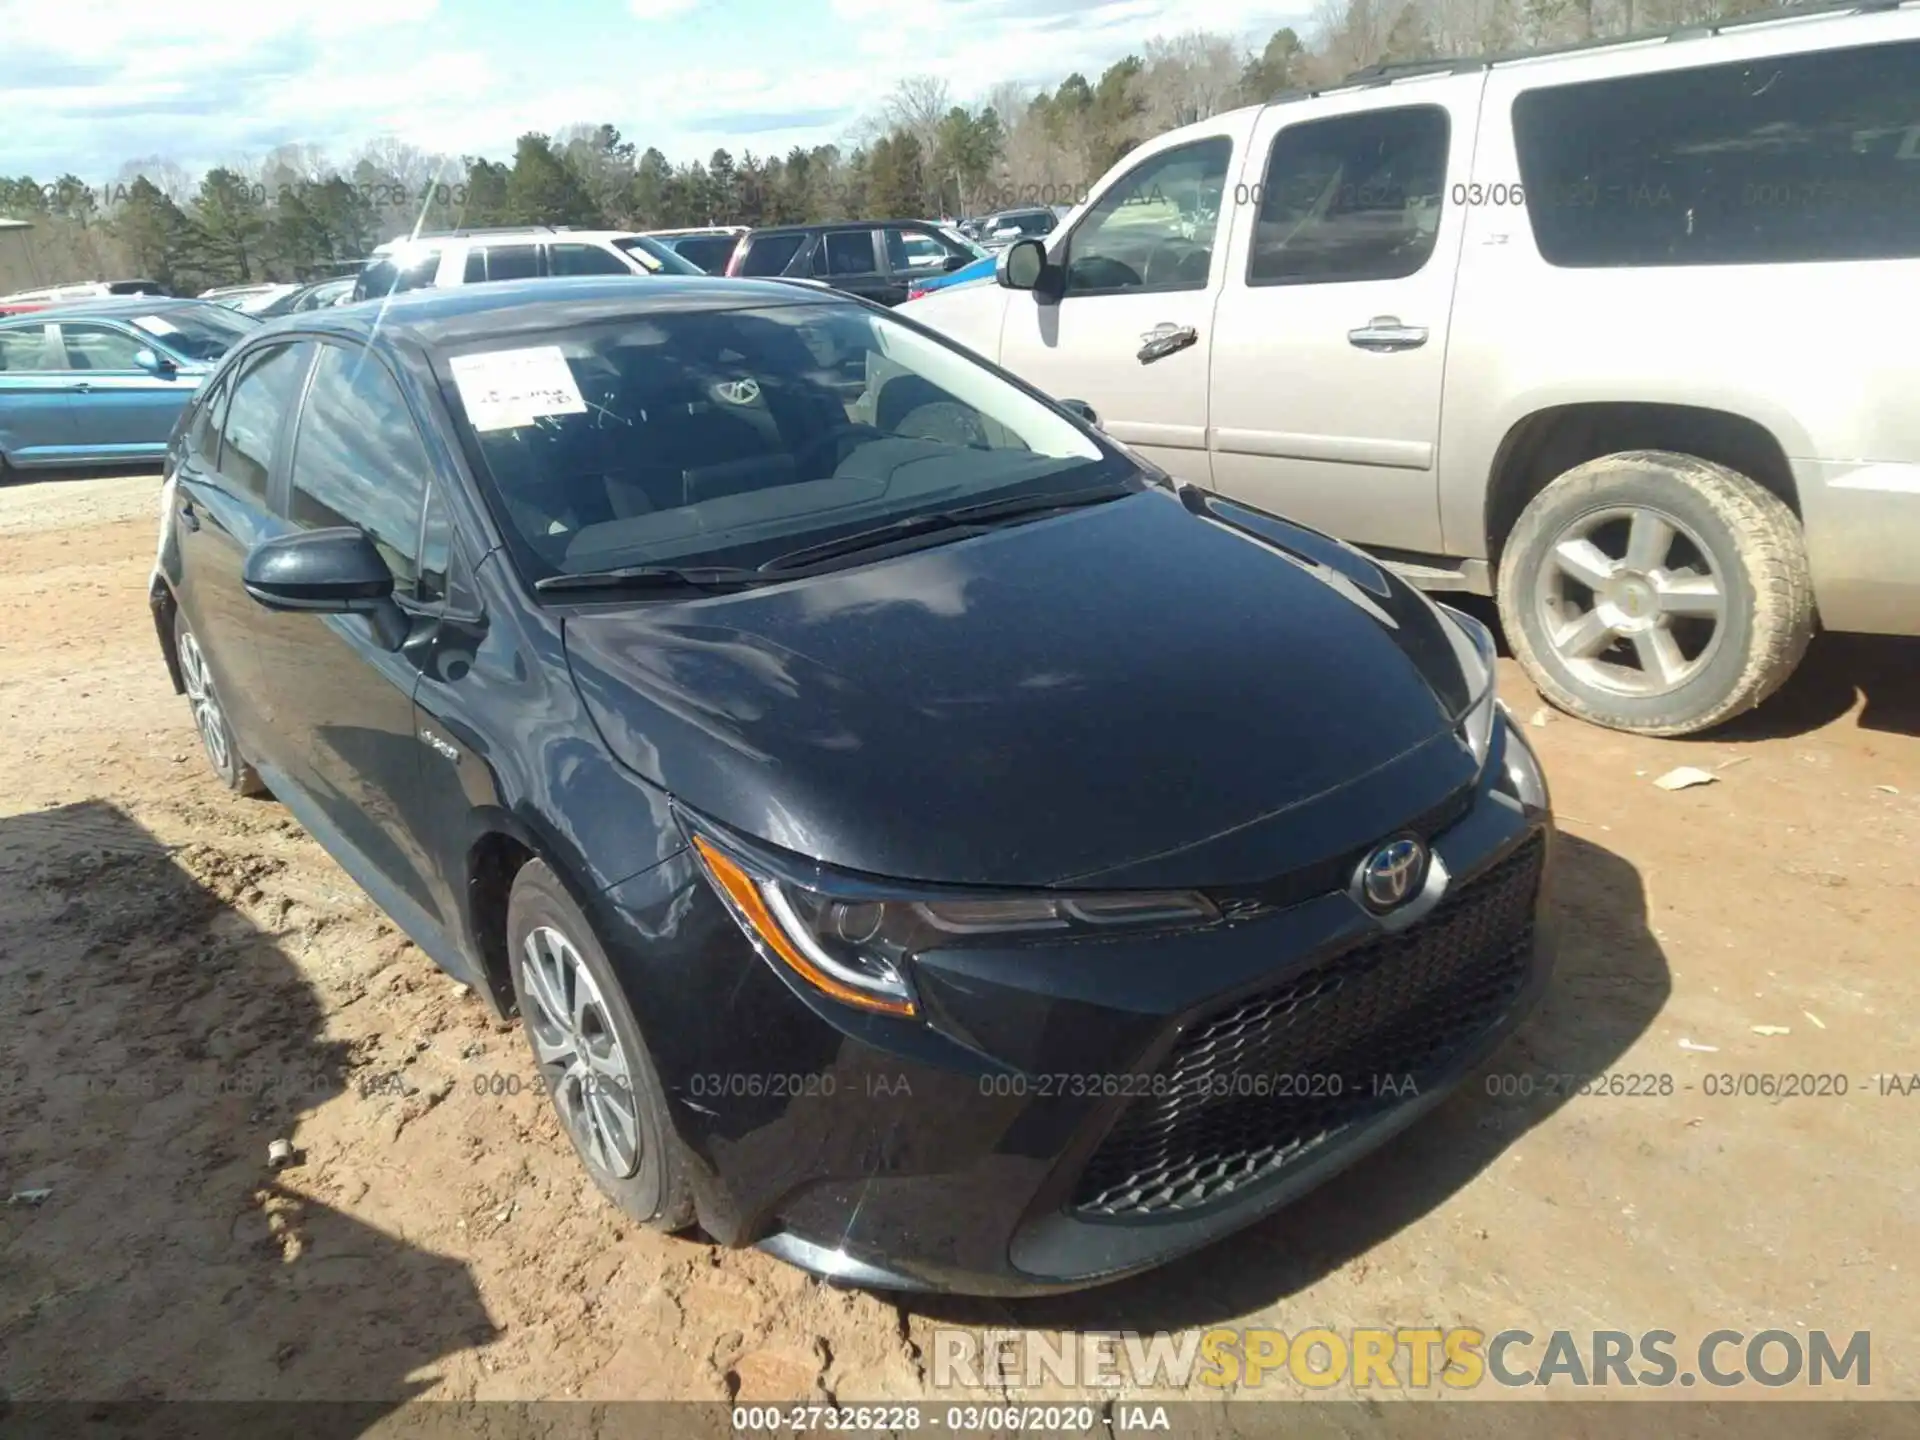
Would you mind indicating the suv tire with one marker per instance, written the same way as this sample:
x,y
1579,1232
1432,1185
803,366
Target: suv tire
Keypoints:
x,y
210,716
1656,592
595,1069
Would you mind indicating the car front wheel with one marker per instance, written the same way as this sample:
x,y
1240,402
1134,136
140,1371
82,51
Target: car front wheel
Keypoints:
x,y
1656,592
209,716
593,1065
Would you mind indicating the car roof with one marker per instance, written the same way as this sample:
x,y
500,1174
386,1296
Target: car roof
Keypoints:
x,y
823,227
119,306
506,307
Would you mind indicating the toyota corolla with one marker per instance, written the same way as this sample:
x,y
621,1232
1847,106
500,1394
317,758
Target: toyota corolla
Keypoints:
x,y
916,836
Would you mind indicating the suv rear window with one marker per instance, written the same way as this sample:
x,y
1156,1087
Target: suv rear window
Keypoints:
x,y
769,254
1789,159
385,277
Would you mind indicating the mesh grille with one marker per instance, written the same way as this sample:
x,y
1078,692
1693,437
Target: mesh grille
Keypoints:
x,y
1269,1082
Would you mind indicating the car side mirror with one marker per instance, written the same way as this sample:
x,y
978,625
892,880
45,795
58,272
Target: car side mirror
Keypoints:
x,y
154,363
1083,410
1021,265
956,262
335,571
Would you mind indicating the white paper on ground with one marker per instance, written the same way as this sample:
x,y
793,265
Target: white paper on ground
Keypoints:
x,y
504,389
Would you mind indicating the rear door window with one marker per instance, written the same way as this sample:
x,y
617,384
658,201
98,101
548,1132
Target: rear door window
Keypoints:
x,y
709,252
770,254
584,260
845,253
513,262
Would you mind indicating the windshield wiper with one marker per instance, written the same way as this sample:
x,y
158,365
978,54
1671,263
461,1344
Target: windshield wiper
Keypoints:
x,y
970,518
655,577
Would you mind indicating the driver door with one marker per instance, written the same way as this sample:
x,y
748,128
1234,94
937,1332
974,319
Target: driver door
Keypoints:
x,y
1146,260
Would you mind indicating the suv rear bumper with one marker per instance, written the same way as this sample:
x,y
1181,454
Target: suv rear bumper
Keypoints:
x,y
1863,531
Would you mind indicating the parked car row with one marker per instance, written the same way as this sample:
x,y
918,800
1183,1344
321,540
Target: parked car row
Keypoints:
x,y
736,680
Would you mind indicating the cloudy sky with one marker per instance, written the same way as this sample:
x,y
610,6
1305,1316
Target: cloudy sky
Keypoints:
x,y
91,83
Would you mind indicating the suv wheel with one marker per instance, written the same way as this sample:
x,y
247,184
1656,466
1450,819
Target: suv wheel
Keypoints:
x,y
216,735
1656,592
593,1065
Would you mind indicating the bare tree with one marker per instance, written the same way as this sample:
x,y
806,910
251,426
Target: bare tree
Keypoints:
x,y
170,178
1187,78
917,105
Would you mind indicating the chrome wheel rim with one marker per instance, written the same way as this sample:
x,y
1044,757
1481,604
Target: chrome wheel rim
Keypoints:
x,y
207,718
1630,602
582,1063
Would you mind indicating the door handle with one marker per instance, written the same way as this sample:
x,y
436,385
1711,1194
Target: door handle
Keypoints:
x,y
187,516
1386,333
1166,339
83,388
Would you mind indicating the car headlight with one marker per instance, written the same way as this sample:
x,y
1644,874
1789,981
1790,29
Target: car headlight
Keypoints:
x,y
1523,778
856,947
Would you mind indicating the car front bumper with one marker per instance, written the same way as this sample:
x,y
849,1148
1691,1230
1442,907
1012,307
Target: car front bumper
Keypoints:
x,y
1064,1116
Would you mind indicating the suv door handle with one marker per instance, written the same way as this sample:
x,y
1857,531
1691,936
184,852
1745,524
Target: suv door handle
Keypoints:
x,y
1166,339
1386,333
82,387
187,516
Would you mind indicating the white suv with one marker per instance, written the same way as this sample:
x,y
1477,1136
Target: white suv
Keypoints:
x,y
471,257
1617,334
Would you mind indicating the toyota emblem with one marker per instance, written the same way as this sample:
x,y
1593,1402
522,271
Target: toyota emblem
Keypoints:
x,y
1393,874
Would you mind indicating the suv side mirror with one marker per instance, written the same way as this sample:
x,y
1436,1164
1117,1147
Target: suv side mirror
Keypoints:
x,y
154,363
1021,265
335,571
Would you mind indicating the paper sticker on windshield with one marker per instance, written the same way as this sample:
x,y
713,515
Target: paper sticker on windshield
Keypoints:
x,y
510,388
154,325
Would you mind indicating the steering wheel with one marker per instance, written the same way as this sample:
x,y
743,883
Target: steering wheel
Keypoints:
x,y
1167,259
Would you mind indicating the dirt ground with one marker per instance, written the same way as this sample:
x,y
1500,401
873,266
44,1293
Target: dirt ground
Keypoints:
x,y
161,941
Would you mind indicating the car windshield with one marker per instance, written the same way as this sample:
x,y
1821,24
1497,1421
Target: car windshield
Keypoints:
x,y
728,437
965,242
657,258
201,332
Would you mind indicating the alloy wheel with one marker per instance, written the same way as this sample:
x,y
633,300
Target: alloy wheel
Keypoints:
x,y
582,1063
207,718
1630,601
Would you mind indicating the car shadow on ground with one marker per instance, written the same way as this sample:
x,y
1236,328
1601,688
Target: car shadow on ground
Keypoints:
x,y
157,1040
1610,981
1878,673
17,475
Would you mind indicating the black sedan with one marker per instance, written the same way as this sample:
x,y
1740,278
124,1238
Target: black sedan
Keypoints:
x,y
917,838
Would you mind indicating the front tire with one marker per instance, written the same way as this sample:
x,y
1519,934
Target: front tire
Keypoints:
x,y
1656,593
593,1064
209,716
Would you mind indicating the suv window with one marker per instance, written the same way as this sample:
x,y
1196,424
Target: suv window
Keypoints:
x,y
1790,159
262,397
845,252
96,347
22,347
770,254
914,250
1354,197
358,460
709,252
512,262
584,260
387,277
1154,227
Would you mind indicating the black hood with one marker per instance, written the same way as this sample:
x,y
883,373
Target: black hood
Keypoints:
x,y
1135,693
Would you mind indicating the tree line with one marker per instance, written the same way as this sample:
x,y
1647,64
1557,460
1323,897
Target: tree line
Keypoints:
x,y
296,214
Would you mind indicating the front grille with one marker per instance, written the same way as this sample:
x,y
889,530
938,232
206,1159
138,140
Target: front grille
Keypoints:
x,y
1269,1082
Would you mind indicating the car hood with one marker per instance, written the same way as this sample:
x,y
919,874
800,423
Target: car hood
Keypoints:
x,y
1134,692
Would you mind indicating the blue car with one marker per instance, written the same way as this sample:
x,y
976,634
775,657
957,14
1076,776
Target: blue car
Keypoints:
x,y
103,382
981,269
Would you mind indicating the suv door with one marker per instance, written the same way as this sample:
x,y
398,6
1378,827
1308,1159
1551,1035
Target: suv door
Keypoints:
x,y
122,409
221,512
1328,358
849,260
343,728
1144,266
36,397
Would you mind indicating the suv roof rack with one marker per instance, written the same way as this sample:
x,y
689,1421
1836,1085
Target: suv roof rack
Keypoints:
x,y
1386,74
465,232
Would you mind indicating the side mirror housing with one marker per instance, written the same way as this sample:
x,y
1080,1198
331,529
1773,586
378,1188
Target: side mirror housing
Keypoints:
x,y
1082,409
154,363
334,571
956,262
1021,265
